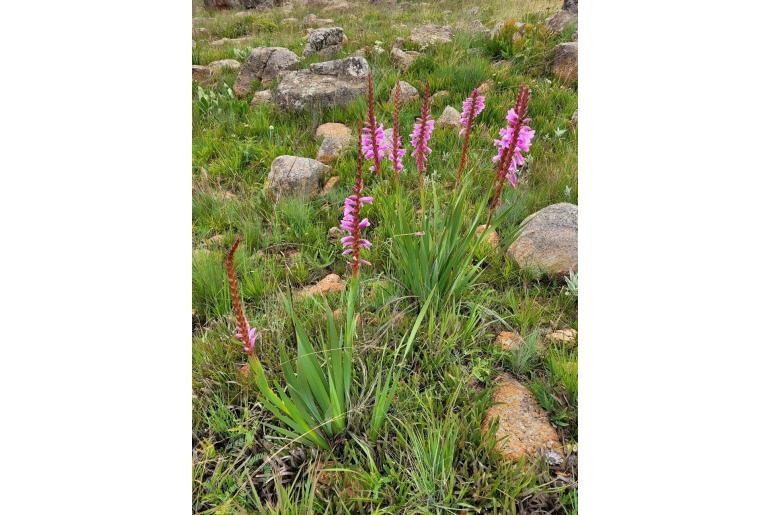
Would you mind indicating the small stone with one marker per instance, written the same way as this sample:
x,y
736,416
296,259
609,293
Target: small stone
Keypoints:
x,y
408,92
335,233
574,119
485,87
200,73
548,241
427,35
295,176
554,459
200,33
333,129
450,118
312,21
398,43
562,336
262,97
330,184
216,67
378,50
523,429
438,95
403,59
330,283
565,61
237,41
492,238
327,41
509,340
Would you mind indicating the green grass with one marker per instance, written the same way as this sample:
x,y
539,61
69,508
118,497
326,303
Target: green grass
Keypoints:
x,y
430,455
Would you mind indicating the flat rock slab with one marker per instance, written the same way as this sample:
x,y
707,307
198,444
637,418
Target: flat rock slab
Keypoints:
x,y
548,242
323,84
295,176
263,64
330,283
524,430
427,35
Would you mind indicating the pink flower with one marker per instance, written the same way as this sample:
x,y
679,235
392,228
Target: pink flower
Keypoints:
x,y
470,109
252,332
351,217
396,157
368,146
523,142
420,136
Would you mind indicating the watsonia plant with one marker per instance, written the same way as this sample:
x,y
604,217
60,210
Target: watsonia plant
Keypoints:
x,y
436,253
314,407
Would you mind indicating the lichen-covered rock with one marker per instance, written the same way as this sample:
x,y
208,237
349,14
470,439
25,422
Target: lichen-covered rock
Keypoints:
x,y
427,35
216,67
408,92
565,61
449,118
548,241
324,84
328,40
295,176
524,429
570,6
263,64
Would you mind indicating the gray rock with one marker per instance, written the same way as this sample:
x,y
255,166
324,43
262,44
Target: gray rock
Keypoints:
x,y
559,21
408,92
548,242
399,43
570,5
565,61
427,35
264,96
574,118
216,67
476,27
200,73
449,118
264,64
323,84
295,176
328,39
403,59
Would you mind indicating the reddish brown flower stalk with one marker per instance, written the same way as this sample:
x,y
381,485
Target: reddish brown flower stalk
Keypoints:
x,y
522,102
473,106
372,126
424,126
243,326
351,220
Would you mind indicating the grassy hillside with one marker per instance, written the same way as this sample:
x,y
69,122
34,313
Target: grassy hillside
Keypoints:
x,y
431,455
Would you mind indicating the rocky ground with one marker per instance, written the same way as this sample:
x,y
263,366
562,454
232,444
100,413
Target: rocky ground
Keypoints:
x,y
278,90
